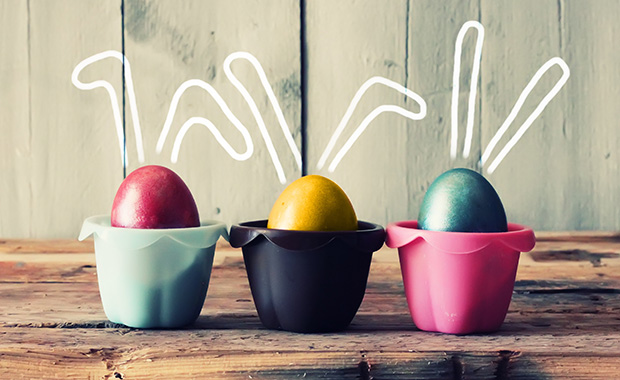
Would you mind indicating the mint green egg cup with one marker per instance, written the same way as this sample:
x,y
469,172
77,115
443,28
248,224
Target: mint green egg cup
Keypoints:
x,y
153,278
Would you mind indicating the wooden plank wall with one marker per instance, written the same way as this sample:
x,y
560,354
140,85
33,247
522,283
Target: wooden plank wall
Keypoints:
x,y
60,158
14,144
58,163
169,43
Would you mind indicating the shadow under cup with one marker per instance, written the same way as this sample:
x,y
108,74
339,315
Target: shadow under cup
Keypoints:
x,y
458,282
307,281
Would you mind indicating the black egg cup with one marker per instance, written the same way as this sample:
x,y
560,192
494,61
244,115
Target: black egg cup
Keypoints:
x,y
307,281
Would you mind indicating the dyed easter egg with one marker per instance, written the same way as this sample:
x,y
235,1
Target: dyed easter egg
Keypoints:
x,y
461,200
313,203
154,197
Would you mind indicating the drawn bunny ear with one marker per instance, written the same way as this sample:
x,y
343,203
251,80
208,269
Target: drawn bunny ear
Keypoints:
x,y
234,120
368,119
473,86
205,122
194,120
114,99
517,107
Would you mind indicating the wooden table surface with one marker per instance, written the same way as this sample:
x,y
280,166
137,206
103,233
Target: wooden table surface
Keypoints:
x,y
564,321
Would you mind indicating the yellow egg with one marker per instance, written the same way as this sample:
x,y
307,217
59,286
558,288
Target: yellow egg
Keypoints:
x,y
313,203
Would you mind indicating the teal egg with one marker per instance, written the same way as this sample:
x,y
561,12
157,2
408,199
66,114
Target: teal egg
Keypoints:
x,y
461,200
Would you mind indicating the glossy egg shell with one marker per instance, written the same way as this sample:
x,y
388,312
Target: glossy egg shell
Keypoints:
x,y
461,200
154,197
313,203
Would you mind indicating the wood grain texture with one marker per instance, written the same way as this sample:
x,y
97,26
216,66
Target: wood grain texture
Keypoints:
x,y
388,170
15,149
50,129
348,42
563,322
145,363
595,159
74,171
561,174
433,27
59,153
169,43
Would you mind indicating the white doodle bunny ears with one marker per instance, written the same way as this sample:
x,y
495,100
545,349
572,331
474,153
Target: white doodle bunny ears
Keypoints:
x,y
342,125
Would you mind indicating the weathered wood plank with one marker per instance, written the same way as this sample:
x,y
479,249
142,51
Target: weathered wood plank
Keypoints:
x,y
45,246
56,246
578,236
168,44
392,41
388,170
511,56
259,340
421,355
596,239
561,173
347,43
78,304
433,30
594,155
557,284
60,147
75,170
563,321
557,256
147,364
15,147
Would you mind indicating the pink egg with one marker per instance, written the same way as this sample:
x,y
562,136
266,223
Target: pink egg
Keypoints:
x,y
154,197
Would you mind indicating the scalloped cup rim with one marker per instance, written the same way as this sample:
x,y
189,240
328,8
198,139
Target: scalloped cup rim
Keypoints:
x,y
368,237
518,237
203,236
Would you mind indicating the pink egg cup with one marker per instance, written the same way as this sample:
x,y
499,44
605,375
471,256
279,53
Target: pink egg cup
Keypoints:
x,y
458,282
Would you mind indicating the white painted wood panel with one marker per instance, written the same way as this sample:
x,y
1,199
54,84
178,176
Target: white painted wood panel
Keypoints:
x,y
563,173
590,34
61,161
74,170
348,43
169,43
59,169
388,170
558,176
15,149
433,29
